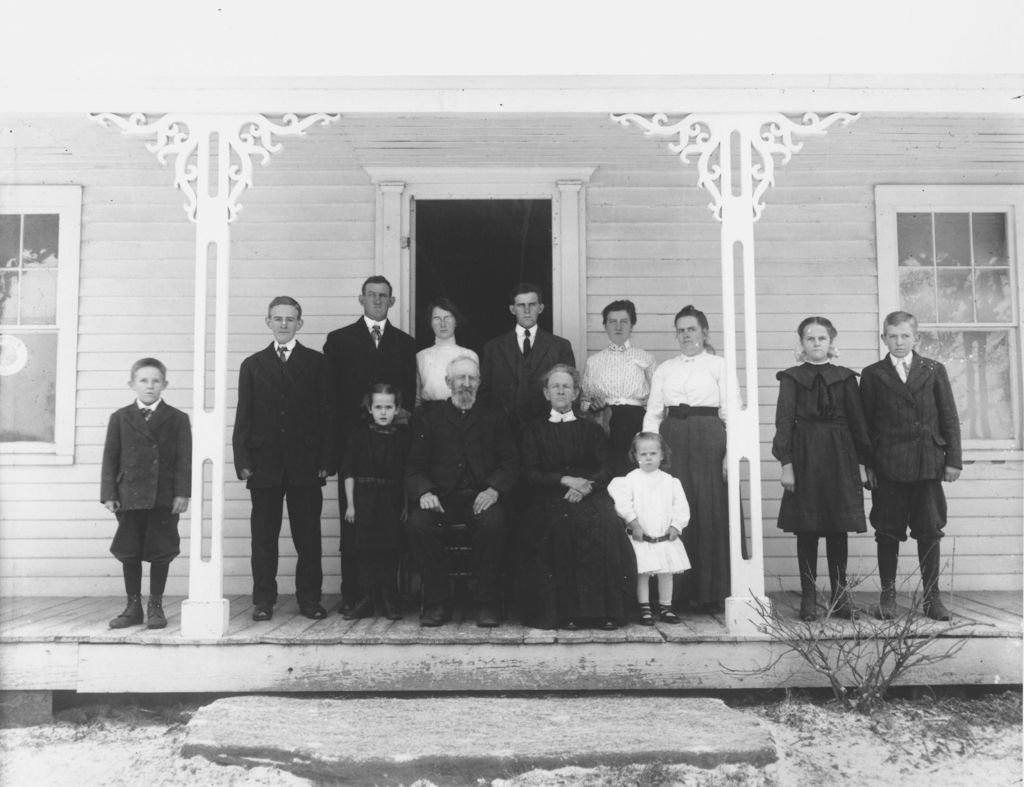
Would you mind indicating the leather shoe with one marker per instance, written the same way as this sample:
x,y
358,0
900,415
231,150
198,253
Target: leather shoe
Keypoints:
x,y
434,616
263,612
570,625
487,618
363,609
313,610
391,609
346,605
609,625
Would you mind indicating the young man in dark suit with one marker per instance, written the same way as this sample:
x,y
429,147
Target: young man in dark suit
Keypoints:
x,y
462,464
512,364
284,450
915,446
371,350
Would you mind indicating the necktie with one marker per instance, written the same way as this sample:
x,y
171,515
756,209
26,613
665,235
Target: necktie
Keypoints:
x,y
526,344
376,335
903,369
282,353
147,413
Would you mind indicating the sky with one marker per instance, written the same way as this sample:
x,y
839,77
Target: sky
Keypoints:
x,y
126,41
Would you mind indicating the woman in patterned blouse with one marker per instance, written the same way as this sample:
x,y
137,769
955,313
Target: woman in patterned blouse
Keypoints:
x,y
616,383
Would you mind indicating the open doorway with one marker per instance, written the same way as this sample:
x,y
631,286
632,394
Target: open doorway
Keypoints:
x,y
475,251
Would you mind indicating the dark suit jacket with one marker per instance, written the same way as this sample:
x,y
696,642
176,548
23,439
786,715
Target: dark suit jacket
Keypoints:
x,y
355,364
147,463
285,419
445,442
914,427
501,383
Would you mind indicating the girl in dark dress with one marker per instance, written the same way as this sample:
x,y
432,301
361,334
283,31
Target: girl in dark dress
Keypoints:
x,y
373,468
578,566
821,439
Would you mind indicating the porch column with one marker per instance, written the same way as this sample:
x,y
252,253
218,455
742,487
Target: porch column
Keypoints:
x,y
718,139
213,166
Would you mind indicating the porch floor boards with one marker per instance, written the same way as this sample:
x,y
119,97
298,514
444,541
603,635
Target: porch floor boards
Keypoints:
x,y
50,643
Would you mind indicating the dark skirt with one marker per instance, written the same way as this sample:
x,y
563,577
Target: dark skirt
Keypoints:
x,y
829,497
698,449
576,561
625,421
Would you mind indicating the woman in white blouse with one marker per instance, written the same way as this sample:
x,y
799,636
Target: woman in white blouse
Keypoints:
x,y
687,406
616,383
431,362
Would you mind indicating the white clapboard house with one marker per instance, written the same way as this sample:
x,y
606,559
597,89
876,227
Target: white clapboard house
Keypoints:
x,y
161,221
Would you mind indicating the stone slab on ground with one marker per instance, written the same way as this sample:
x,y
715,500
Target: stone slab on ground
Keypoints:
x,y
456,740
25,708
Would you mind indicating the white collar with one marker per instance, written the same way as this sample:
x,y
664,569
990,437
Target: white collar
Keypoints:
x,y
909,360
618,348
521,331
152,407
370,323
289,347
691,358
562,418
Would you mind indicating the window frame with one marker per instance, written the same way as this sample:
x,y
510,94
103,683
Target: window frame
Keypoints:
x,y
66,202
890,200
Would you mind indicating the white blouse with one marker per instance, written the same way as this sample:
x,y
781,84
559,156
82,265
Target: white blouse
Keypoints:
x,y
431,365
697,380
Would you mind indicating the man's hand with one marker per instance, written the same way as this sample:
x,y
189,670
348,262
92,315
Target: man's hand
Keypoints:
x,y
872,479
485,500
950,474
788,479
179,505
246,473
430,502
322,474
350,513
113,506
725,468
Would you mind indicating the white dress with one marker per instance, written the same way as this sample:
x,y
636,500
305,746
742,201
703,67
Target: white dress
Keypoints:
x,y
657,501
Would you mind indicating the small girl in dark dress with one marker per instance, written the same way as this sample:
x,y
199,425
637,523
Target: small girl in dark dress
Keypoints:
x,y
821,439
373,467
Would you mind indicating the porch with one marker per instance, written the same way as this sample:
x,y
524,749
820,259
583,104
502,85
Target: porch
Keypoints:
x,y
59,643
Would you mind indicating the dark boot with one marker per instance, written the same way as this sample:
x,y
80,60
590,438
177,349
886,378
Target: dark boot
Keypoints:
x,y
807,562
155,618
928,555
888,558
841,605
132,615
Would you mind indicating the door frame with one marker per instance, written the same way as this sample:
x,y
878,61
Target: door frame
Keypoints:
x,y
396,188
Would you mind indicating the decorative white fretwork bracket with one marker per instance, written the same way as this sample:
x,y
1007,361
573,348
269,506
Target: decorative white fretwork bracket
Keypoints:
x,y
213,157
737,202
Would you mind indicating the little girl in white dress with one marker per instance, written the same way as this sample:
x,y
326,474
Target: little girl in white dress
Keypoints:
x,y
655,510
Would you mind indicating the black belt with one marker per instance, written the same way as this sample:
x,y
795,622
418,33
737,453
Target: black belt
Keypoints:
x,y
372,480
684,411
658,540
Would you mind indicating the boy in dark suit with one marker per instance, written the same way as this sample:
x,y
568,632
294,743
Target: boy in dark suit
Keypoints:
x,y
369,351
146,482
915,446
512,364
284,451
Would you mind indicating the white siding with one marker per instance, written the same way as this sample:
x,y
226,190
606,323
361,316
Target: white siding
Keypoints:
x,y
307,230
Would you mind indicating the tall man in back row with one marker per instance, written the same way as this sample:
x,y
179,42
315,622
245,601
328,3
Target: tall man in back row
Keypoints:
x,y
370,350
513,364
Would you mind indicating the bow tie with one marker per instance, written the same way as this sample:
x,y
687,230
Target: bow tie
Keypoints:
x,y
617,348
562,418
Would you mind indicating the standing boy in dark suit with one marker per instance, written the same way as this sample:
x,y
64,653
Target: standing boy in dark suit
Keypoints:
x,y
915,444
283,450
512,364
146,482
369,351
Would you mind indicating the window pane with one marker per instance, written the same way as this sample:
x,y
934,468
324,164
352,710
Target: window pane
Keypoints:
x,y
39,297
993,295
9,298
28,364
990,239
952,239
917,292
978,363
914,237
10,231
41,240
955,296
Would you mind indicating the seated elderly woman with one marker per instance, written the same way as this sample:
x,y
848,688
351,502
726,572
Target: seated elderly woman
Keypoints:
x,y
577,565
